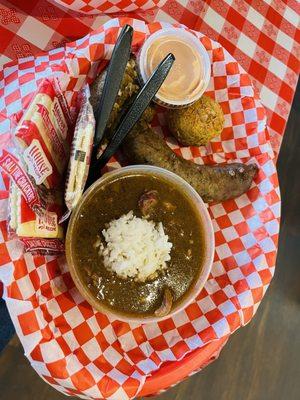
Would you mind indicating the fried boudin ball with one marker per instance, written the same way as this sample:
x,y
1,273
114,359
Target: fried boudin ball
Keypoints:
x,y
198,123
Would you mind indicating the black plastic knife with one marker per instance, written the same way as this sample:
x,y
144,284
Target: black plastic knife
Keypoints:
x,y
114,76
136,110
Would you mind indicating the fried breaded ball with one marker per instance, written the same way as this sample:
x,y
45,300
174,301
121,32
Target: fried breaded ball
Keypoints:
x,y
198,123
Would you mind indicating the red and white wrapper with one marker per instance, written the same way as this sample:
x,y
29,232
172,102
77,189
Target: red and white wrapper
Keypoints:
x,y
82,352
35,229
81,151
12,166
44,137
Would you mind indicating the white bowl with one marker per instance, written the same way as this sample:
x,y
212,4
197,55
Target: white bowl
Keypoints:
x,y
208,237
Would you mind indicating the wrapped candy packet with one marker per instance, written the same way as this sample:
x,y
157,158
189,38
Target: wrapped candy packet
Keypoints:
x,y
39,232
80,152
43,135
26,222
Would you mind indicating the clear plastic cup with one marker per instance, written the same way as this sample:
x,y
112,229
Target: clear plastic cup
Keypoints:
x,y
203,215
193,42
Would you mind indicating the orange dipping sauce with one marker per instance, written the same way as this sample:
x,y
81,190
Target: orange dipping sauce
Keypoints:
x,y
186,75
190,73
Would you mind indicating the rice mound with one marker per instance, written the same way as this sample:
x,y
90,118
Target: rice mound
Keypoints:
x,y
135,247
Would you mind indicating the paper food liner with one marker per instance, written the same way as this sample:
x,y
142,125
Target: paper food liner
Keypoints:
x,y
82,352
110,6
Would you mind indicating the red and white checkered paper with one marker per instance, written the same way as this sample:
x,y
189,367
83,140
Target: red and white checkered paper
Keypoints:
x,y
82,352
110,6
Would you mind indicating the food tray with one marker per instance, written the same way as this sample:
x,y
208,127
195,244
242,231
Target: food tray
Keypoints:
x,y
82,352
174,372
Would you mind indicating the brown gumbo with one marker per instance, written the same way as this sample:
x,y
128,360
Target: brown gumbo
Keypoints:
x,y
159,201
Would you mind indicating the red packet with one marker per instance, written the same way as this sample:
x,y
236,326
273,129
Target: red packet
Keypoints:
x,y
15,170
40,232
43,135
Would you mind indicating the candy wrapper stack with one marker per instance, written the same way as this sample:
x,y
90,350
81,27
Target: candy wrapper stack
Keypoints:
x,y
36,164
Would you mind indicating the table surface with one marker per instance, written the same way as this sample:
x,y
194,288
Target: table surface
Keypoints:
x,y
260,361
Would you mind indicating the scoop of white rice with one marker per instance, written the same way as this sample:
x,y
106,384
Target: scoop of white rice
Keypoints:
x,y
135,247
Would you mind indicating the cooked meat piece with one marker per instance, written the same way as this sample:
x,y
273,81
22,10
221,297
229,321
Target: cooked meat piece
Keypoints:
x,y
96,90
128,89
148,201
170,207
166,304
213,183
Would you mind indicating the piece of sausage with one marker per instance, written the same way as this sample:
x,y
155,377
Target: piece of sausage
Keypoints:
x,y
213,183
166,304
147,202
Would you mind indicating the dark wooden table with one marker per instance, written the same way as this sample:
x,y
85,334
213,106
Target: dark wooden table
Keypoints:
x,y
262,360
